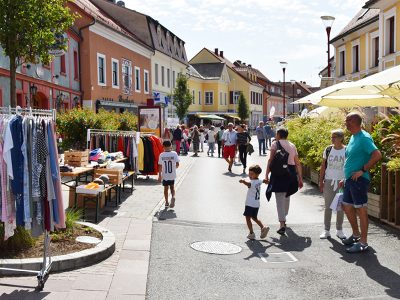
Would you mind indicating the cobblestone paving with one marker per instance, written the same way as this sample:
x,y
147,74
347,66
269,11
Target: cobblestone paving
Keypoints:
x,y
122,275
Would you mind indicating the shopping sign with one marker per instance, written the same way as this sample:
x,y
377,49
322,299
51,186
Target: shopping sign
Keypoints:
x,y
56,48
156,97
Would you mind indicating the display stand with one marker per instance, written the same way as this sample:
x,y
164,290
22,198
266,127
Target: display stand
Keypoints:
x,y
43,274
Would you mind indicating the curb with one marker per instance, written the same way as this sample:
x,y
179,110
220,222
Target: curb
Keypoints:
x,y
68,261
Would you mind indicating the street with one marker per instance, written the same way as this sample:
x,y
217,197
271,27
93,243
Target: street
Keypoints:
x,y
209,207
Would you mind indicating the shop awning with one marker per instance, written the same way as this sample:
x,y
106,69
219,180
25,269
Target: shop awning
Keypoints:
x,y
210,117
232,116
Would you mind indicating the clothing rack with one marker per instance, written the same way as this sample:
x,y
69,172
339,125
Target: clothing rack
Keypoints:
x,y
91,132
43,274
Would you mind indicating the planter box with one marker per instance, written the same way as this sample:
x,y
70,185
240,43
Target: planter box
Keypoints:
x,y
314,176
374,205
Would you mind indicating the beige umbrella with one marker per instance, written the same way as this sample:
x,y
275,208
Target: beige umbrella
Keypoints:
x,y
314,98
380,89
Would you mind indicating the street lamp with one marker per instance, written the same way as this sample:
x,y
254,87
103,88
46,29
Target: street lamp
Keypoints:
x,y
328,21
283,65
293,82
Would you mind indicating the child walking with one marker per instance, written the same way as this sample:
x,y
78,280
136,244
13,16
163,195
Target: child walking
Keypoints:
x,y
253,202
167,164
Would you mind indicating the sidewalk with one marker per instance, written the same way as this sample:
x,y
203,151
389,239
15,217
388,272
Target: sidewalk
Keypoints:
x,y
124,274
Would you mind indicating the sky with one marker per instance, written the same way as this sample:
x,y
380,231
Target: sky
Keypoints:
x,y
258,32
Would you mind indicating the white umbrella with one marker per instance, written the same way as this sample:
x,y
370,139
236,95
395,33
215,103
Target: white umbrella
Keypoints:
x,y
323,112
314,98
380,89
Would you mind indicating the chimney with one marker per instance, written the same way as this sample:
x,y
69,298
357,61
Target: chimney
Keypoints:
x,y
216,51
221,53
121,3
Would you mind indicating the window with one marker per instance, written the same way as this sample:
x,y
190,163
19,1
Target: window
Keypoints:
x,y
115,72
342,63
101,69
146,81
193,97
234,97
390,35
76,67
162,76
225,98
168,78
375,52
220,98
356,66
127,76
63,69
156,73
137,79
209,98
173,79
199,97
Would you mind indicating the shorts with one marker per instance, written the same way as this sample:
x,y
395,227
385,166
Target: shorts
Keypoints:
x,y
168,182
250,211
229,151
355,193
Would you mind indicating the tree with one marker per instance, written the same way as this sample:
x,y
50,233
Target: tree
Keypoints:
x,y
29,29
243,108
182,97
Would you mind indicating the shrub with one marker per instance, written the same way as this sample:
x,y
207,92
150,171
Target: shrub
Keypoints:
x,y
21,240
73,125
312,135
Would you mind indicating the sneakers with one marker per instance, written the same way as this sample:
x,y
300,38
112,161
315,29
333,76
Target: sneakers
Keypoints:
x,y
325,235
340,234
282,230
251,236
166,205
172,202
357,248
351,240
264,232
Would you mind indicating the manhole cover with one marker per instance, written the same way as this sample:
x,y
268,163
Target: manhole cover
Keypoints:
x,y
88,239
277,258
215,247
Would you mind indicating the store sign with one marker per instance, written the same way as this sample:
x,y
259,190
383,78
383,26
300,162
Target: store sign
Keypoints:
x,y
56,48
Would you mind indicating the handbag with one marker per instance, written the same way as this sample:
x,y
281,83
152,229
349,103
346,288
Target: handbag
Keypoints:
x,y
336,204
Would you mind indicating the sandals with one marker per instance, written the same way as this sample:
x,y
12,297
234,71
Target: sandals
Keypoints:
x,y
282,230
351,240
357,248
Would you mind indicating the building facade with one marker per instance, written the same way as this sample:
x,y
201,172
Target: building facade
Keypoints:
x,y
116,65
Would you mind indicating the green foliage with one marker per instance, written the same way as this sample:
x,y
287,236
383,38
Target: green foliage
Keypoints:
x,y
71,216
73,125
386,136
28,30
21,240
311,136
243,108
182,97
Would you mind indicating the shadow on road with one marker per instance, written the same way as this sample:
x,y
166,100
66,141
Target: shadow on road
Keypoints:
x,y
291,241
257,247
372,267
165,214
23,294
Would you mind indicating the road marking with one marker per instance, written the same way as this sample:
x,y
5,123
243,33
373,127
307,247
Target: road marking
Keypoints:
x,y
278,258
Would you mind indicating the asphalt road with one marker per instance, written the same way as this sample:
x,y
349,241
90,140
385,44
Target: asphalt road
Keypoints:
x,y
209,207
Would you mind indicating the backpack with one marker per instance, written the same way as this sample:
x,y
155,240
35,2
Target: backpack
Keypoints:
x,y
279,164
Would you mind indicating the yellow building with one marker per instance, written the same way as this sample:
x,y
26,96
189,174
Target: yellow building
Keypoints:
x,y
212,76
370,43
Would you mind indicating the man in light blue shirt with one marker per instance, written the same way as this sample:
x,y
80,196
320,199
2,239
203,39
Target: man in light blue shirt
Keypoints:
x,y
361,155
261,138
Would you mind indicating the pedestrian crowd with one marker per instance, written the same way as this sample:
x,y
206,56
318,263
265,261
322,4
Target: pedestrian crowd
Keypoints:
x,y
344,177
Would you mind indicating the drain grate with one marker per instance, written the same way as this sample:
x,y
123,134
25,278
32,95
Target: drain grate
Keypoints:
x,y
278,258
216,247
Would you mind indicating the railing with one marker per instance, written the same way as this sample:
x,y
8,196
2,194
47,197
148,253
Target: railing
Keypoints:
x,y
390,196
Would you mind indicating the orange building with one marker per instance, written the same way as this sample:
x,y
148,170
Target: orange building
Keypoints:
x,y
115,64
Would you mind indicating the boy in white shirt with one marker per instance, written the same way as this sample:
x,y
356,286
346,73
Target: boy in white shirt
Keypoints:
x,y
167,164
253,202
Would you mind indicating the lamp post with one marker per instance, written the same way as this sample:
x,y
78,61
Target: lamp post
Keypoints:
x,y
283,65
328,21
293,82
32,91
